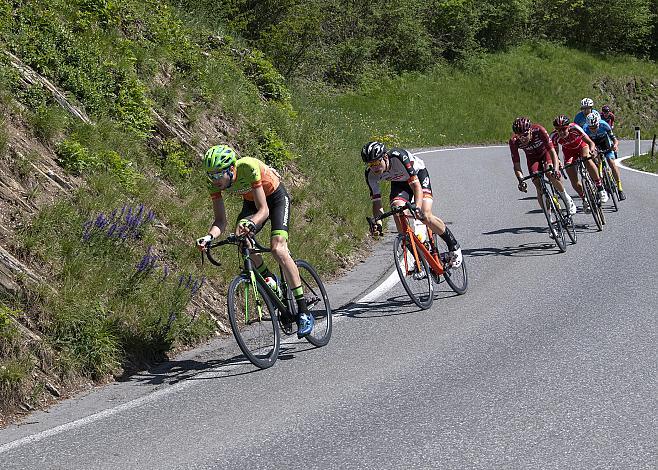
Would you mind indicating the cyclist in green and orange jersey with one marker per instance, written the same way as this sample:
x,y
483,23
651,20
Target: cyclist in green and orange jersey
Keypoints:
x,y
264,197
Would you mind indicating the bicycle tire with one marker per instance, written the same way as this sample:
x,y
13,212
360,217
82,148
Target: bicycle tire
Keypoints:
x,y
554,227
258,336
611,186
401,250
567,219
316,296
457,279
588,190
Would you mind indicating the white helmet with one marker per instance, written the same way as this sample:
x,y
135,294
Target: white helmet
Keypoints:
x,y
586,103
593,119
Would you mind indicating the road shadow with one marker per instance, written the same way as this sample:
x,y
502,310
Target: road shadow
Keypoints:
x,y
392,306
172,372
523,250
517,230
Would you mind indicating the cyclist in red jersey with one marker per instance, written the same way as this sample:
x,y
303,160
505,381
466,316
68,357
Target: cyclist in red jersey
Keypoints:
x,y
540,153
576,143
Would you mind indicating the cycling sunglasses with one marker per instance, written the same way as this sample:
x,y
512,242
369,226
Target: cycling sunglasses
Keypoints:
x,y
218,175
374,162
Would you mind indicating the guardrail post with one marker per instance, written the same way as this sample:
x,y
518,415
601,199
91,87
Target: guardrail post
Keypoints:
x,y
637,141
653,146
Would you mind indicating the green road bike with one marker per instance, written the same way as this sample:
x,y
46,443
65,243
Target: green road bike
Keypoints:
x,y
258,314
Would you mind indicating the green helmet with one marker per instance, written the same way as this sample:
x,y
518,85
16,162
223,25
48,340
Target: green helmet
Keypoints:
x,y
219,157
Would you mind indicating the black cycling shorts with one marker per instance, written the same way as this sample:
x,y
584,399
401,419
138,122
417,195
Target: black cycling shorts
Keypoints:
x,y
402,190
279,205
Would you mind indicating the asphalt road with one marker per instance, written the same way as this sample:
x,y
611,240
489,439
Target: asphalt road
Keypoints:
x,y
549,361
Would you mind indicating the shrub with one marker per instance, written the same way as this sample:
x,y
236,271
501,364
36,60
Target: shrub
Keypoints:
x,y
174,160
269,81
73,157
274,150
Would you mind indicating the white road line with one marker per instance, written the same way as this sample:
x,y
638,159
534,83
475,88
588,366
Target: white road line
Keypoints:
x,y
620,160
460,148
387,284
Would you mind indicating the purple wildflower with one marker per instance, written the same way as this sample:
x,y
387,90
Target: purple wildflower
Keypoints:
x,y
111,230
180,280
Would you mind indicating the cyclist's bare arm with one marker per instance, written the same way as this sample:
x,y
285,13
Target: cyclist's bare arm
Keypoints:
x,y
219,224
590,142
262,212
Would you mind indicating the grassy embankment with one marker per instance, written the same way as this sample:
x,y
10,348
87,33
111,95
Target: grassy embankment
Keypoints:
x,y
109,308
644,163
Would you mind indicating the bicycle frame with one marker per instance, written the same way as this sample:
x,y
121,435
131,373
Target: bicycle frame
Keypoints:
x,y
416,245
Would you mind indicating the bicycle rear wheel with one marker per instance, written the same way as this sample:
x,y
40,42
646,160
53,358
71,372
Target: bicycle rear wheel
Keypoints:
x,y
457,278
590,196
318,304
554,221
416,280
254,322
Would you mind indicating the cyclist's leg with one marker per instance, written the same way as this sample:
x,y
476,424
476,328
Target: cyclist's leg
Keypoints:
x,y
401,193
534,166
249,209
572,172
432,221
279,206
611,156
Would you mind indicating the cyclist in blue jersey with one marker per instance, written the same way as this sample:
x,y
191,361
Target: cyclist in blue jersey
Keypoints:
x,y
601,133
586,107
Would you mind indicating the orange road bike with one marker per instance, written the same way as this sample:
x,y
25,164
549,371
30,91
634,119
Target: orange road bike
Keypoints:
x,y
422,259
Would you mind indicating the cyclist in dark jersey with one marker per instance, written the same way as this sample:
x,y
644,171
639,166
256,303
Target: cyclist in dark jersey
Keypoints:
x,y
540,154
608,116
410,182
264,197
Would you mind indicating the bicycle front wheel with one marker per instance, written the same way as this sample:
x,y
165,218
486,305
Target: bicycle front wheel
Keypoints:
x,y
318,303
554,222
566,218
416,280
590,196
254,322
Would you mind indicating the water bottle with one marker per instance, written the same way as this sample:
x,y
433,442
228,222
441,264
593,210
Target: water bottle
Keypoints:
x,y
274,285
420,230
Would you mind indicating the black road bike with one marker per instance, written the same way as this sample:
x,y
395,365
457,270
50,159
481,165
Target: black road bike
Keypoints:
x,y
258,314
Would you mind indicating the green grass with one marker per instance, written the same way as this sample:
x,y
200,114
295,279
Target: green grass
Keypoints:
x,y
455,106
644,162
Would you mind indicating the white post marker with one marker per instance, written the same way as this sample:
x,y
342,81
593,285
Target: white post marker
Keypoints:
x,y
637,141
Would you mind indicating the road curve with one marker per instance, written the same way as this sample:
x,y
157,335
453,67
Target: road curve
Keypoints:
x,y
549,361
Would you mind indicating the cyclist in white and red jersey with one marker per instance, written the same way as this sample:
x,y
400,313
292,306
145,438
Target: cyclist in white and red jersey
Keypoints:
x,y
540,154
410,182
576,143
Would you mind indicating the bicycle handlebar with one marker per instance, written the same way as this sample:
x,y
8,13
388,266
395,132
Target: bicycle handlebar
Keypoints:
x,y
396,210
537,173
233,239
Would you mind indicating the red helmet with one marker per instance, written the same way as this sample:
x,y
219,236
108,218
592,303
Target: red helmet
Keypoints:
x,y
561,121
605,109
521,125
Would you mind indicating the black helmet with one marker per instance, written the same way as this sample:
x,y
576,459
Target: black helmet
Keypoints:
x,y
372,151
